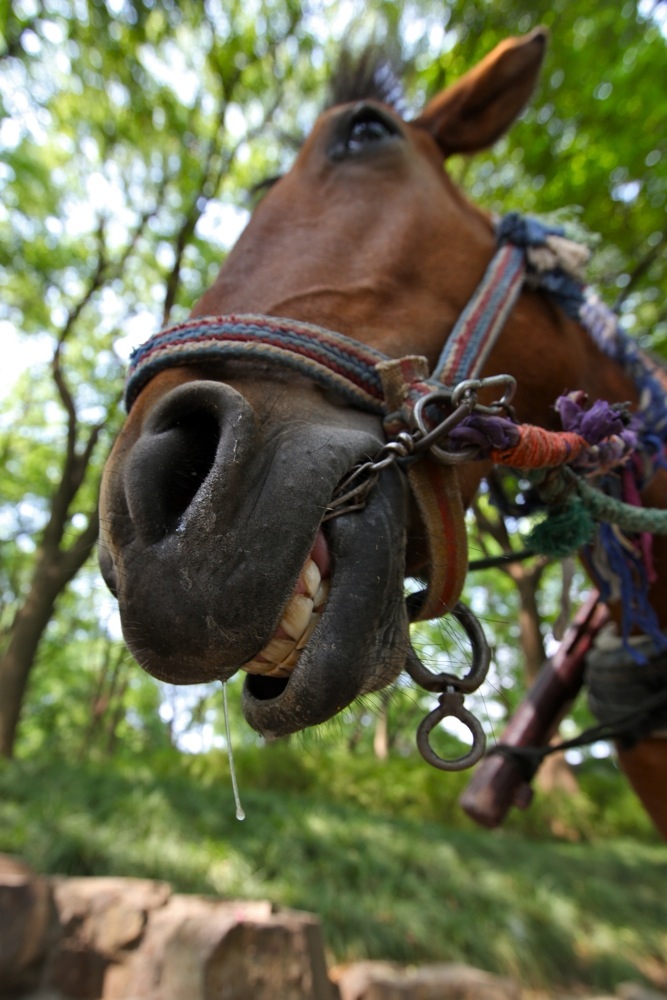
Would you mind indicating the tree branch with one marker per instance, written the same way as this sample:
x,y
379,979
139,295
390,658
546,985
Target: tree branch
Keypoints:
x,y
639,271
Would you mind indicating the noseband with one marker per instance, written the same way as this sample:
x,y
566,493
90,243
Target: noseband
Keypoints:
x,y
438,417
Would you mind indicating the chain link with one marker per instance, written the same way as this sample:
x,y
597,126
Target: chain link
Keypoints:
x,y
352,492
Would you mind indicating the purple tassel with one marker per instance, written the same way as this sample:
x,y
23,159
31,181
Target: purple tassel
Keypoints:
x,y
608,429
594,424
487,433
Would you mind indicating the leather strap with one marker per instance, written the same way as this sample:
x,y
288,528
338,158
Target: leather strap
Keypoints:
x,y
436,490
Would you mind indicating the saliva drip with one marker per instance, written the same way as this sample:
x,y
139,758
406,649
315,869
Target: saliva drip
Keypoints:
x,y
232,770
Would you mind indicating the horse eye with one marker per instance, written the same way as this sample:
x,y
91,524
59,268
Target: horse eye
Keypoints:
x,y
363,133
363,128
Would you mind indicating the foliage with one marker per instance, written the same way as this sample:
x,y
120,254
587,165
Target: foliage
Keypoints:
x,y
590,144
407,888
130,133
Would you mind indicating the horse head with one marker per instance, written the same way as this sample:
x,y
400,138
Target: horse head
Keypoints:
x,y
213,500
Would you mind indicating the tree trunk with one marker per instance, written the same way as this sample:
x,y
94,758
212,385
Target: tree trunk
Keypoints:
x,y
554,772
54,568
532,643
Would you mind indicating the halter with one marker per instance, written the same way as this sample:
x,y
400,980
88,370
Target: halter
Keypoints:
x,y
437,416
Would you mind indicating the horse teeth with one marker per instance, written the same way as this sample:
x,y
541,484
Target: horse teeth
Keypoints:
x,y
279,671
322,595
256,667
276,650
299,621
297,615
312,625
310,575
291,661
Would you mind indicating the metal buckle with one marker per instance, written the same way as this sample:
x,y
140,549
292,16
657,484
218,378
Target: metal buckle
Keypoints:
x,y
464,399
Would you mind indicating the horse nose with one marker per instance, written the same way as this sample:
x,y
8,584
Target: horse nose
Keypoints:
x,y
194,428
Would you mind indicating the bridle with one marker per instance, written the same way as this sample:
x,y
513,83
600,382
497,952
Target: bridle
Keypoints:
x,y
435,420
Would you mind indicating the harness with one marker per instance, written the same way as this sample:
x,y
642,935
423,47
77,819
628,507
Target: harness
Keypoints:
x,y
434,421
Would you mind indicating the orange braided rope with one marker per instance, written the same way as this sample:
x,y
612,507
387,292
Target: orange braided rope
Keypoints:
x,y
538,448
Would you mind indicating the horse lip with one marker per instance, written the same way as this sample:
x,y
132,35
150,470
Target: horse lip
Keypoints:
x,y
363,622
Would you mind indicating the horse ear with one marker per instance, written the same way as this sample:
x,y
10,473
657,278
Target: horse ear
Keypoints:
x,y
481,106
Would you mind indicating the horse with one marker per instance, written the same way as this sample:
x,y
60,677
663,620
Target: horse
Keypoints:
x,y
218,504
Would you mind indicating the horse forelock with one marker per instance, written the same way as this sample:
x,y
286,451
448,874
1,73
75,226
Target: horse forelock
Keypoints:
x,y
366,75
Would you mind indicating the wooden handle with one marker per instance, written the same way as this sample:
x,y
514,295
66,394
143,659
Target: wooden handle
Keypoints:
x,y
499,781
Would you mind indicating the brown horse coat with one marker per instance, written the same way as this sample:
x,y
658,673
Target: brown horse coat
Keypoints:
x,y
213,497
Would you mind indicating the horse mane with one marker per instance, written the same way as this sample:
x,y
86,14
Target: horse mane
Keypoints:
x,y
366,75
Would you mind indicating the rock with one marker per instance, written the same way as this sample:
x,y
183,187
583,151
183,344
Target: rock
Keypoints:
x,y
387,981
112,912
200,949
100,919
26,919
141,975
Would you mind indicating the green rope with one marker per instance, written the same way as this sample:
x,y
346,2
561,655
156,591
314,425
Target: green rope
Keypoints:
x,y
569,524
563,531
625,515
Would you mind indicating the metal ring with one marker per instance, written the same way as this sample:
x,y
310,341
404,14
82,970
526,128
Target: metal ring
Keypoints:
x,y
451,706
462,410
481,658
454,457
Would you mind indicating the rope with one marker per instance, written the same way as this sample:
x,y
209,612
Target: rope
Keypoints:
x,y
627,728
624,515
538,448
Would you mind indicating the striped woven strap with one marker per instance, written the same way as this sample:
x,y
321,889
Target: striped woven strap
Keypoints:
x,y
482,320
330,359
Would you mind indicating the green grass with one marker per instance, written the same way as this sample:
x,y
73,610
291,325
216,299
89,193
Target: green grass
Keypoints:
x,y
385,885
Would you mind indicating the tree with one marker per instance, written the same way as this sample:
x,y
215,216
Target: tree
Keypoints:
x,y
130,133
72,272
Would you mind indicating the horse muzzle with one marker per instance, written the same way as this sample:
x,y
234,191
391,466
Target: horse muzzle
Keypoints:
x,y
212,509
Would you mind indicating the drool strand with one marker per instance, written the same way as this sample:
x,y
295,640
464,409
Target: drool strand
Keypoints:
x,y
240,814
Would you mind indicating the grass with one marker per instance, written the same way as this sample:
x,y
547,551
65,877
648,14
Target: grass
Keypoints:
x,y
589,914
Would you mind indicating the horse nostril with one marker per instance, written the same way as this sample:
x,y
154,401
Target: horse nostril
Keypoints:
x,y
193,429
193,442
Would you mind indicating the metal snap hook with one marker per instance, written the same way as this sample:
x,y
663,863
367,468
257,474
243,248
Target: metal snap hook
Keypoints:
x,y
469,388
428,436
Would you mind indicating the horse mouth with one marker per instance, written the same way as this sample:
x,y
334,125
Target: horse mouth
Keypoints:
x,y
299,620
250,578
346,622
